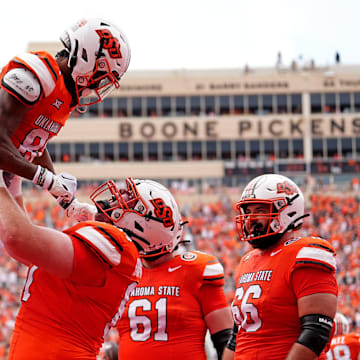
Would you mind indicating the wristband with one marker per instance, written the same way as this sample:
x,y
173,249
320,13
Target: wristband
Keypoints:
x,y
43,177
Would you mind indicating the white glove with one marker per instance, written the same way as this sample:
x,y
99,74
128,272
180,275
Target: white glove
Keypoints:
x,y
80,211
70,181
63,185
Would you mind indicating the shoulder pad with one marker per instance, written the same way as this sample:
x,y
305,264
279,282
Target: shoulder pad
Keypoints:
x,y
104,241
316,253
45,73
23,84
212,270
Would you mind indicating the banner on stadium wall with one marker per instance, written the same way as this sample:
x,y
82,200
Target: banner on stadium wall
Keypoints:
x,y
234,128
210,128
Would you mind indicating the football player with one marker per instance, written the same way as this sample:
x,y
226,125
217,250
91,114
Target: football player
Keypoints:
x,y
38,93
80,279
180,295
344,345
286,291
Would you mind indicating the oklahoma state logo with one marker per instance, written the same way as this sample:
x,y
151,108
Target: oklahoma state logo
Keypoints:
x,y
163,212
111,44
286,187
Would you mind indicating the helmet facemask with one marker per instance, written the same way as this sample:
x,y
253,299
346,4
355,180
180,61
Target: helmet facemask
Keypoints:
x,y
277,207
114,202
91,89
146,211
257,225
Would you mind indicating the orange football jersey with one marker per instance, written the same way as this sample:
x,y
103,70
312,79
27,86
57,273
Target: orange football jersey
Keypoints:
x,y
164,318
46,116
68,318
344,347
265,303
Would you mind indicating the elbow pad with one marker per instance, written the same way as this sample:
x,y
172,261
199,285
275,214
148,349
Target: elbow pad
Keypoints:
x,y
219,340
231,344
316,332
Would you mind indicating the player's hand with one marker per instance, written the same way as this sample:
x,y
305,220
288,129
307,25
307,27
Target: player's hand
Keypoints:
x,y
80,211
63,185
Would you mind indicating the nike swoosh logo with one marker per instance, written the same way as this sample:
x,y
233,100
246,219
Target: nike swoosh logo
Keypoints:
x,y
67,178
275,252
174,268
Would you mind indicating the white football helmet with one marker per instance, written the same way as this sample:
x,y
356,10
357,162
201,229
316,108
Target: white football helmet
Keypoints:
x,y
99,54
286,207
147,212
341,324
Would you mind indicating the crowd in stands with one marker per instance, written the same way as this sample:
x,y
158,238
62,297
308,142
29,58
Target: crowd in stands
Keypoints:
x,y
211,228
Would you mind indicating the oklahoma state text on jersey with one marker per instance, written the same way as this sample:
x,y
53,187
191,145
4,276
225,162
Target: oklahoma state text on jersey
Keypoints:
x,y
48,113
344,347
265,303
67,318
164,318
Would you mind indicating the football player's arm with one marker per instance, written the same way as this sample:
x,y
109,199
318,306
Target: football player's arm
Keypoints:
x,y
217,315
228,354
45,161
316,311
49,249
11,113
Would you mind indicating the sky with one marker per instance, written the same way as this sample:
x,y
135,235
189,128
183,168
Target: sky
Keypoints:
x,y
198,34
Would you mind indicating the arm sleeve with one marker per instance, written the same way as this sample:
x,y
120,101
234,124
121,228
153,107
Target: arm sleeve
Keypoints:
x,y
309,280
212,298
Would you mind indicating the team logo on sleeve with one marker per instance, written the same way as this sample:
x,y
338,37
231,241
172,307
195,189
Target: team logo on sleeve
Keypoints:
x,y
188,256
57,103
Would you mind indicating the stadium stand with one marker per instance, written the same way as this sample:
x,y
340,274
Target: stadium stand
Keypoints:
x,y
211,229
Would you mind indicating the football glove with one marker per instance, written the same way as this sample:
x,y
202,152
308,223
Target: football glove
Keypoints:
x,y
63,185
80,211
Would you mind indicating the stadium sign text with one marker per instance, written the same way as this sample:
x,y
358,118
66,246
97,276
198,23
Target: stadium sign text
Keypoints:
x,y
233,127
